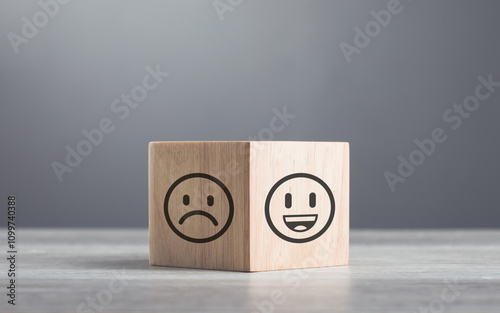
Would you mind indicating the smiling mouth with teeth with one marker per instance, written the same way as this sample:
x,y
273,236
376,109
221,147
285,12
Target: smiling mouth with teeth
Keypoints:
x,y
301,222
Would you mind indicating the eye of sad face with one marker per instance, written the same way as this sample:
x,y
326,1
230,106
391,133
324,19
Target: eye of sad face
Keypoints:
x,y
210,202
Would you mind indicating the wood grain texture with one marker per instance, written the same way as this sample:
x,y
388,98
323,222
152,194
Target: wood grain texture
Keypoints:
x,y
226,161
272,161
313,232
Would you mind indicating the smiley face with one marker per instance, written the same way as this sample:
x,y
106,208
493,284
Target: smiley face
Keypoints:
x,y
299,208
198,208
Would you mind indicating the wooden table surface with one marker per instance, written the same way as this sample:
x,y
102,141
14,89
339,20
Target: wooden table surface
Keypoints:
x,y
96,270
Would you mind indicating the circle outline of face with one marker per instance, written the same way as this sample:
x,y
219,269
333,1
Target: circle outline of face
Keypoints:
x,y
221,185
279,183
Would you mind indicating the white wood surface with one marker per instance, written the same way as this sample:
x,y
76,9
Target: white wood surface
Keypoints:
x,y
274,160
389,271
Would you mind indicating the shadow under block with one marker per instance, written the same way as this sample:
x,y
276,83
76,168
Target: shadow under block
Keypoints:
x,y
249,206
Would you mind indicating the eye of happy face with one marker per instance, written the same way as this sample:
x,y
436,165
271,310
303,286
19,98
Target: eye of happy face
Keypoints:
x,y
288,200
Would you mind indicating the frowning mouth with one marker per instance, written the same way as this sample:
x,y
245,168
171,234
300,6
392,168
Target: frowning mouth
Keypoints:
x,y
300,223
198,212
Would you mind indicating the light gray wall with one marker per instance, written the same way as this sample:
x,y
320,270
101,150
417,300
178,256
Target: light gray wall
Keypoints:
x,y
227,76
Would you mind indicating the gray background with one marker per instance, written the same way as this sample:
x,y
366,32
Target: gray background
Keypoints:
x,y
226,77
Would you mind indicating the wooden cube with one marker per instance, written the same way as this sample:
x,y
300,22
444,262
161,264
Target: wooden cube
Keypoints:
x,y
249,206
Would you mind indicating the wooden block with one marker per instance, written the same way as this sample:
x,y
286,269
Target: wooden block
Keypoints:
x,y
249,206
